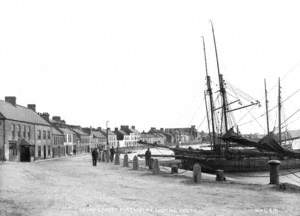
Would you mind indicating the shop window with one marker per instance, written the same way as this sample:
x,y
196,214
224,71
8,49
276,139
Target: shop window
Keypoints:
x,y
39,151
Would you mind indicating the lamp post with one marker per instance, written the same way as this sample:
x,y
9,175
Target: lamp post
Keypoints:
x,y
107,142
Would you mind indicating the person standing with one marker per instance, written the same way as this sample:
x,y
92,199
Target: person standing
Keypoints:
x,y
148,157
95,156
112,153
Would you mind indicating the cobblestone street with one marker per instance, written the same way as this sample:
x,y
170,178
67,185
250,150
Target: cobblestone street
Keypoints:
x,y
71,186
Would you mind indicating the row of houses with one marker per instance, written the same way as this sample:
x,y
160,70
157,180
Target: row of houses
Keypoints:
x,y
27,135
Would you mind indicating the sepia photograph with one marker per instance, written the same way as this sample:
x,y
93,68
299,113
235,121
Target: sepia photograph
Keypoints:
x,y
141,108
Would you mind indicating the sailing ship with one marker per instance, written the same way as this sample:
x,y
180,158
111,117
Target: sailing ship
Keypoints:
x,y
251,155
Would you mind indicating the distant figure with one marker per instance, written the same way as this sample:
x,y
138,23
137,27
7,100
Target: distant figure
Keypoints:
x,y
95,156
148,157
112,153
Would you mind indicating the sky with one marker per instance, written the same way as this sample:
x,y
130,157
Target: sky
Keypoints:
x,y
141,62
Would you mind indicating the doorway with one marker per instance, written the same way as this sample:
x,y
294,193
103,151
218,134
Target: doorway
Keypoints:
x,y
45,152
25,154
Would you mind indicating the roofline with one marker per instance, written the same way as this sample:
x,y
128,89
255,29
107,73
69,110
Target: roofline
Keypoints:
x,y
28,122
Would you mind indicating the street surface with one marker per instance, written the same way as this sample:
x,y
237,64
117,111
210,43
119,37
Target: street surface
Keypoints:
x,y
72,186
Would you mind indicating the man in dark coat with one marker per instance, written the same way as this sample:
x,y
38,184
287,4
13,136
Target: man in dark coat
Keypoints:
x,y
95,156
112,153
148,157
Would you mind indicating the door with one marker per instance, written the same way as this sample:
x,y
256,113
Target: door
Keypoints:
x,y
45,152
25,154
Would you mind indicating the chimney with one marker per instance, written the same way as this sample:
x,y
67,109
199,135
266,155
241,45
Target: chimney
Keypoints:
x,y
32,107
99,128
161,129
133,127
11,99
116,129
45,116
56,118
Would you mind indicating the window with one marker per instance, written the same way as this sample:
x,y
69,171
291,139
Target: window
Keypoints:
x,y
13,130
49,151
48,134
19,130
44,134
28,132
24,131
39,134
70,138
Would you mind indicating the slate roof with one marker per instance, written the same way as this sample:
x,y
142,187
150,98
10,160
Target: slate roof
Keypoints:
x,y
56,131
20,113
79,131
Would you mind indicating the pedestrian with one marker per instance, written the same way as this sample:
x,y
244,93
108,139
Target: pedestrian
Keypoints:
x,y
112,153
95,156
148,157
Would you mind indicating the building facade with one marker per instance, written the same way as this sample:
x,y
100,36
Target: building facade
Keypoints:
x,y
24,135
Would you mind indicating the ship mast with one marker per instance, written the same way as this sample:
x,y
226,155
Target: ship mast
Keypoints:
x,y
221,85
208,122
279,112
221,82
267,107
209,91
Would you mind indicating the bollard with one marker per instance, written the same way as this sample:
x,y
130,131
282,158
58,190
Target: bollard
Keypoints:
x,y
155,168
103,156
220,175
135,163
125,161
151,163
117,159
174,169
197,173
274,171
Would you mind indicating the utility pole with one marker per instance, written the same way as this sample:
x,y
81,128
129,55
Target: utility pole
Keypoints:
x,y
267,107
279,112
107,142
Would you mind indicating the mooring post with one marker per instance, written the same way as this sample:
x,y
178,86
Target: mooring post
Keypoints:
x,y
155,168
135,163
117,159
274,171
174,169
125,160
106,156
220,175
197,173
151,163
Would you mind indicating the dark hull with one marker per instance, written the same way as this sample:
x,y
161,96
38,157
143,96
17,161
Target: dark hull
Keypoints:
x,y
238,165
210,162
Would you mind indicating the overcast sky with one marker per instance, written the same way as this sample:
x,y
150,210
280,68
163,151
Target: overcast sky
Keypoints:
x,y
141,62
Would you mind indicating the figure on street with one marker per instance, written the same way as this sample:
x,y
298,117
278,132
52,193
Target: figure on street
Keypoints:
x,y
148,157
95,156
112,153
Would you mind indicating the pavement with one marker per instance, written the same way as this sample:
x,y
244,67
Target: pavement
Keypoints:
x,y
72,186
